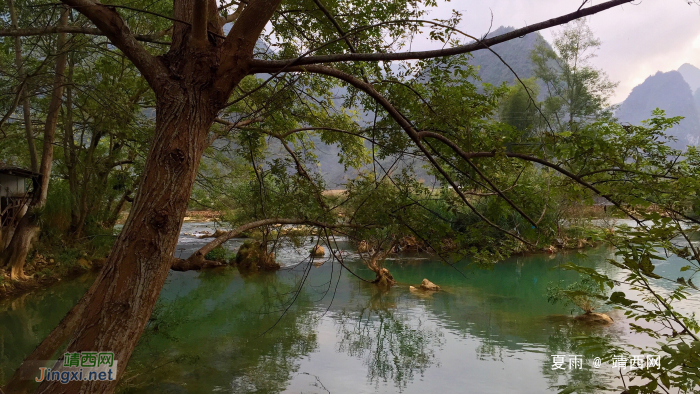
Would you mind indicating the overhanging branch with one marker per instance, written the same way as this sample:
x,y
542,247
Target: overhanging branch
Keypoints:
x,y
274,65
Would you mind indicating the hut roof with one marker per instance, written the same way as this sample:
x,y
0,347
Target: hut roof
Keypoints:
x,y
18,171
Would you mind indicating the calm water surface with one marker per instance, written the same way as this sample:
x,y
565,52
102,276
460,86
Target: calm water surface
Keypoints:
x,y
312,328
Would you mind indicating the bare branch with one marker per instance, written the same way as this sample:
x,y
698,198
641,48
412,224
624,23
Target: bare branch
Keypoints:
x,y
522,156
234,17
336,25
274,65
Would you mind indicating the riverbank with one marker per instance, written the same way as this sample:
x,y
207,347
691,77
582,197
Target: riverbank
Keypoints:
x,y
57,262
43,272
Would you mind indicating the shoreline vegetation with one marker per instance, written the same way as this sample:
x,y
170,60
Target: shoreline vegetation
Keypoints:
x,y
50,264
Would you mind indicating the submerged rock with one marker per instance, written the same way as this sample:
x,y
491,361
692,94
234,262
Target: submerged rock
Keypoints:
x,y
253,256
428,286
594,318
318,251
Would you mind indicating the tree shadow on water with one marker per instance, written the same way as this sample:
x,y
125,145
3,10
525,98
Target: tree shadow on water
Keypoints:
x,y
394,341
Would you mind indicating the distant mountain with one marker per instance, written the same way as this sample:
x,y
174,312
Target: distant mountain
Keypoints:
x,y
515,52
670,92
697,99
691,74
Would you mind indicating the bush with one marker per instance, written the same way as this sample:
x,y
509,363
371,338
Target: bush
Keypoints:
x,y
219,253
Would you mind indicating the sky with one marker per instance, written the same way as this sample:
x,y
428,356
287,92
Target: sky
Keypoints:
x,y
638,39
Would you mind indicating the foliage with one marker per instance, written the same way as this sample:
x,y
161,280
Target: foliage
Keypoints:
x,y
583,294
655,174
576,90
219,253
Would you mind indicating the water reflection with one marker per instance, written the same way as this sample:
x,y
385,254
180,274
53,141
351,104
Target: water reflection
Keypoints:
x,y
568,338
392,342
208,338
487,331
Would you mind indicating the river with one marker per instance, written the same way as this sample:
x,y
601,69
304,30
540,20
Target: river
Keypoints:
x,y
314,328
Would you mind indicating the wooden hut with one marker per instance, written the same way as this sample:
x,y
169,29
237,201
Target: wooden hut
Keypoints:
x,y
16,187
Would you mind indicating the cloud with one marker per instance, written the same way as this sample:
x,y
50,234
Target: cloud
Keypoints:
x,y
696,43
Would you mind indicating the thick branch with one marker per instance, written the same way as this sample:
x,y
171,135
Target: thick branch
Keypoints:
x,y
75,30
189,265
199,22
277,65
234,17
198,256
240,42
112,25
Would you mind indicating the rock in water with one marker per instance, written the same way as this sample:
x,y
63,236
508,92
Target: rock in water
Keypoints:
x,y
318,251
429,286
594,318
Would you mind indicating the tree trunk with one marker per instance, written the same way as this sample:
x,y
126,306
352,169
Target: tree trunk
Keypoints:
x,y
16,252
197,257
114,215
383,279
128,286
89,166
70,154
22,240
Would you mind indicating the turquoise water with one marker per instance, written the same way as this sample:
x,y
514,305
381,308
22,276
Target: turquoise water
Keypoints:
x,y
313,328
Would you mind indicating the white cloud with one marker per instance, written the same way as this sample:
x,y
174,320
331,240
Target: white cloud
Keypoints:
x,y
696,43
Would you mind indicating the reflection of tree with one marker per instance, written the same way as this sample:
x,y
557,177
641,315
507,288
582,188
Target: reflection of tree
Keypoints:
x,y
489,347
209,337
27,319
570,338
393,345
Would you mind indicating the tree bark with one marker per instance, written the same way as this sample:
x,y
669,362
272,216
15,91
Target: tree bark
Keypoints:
x,y
129,284
191,86
15,254
70,151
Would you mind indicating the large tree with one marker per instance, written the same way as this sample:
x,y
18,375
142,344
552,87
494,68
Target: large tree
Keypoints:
x,y
193,82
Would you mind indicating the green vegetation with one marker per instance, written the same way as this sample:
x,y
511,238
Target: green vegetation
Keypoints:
x,y
234,119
